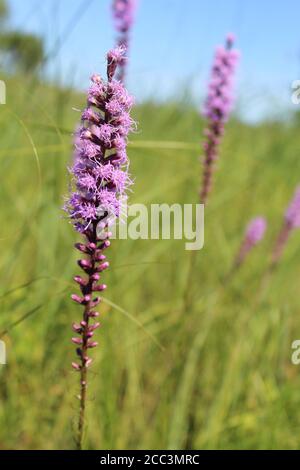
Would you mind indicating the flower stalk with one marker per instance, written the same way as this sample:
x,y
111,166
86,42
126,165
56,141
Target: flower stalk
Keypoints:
x,y
100,180
217,108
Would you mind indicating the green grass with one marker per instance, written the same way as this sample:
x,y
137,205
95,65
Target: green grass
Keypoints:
x,y
216,376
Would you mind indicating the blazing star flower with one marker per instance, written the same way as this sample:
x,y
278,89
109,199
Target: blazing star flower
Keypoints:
x,y
100,179
292,214
254,233
123,15
217,108
291,222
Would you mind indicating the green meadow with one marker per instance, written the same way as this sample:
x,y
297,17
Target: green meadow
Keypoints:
x,y
217,374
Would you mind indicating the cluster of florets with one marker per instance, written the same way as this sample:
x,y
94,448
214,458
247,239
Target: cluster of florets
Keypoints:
x,y
220,99
100,169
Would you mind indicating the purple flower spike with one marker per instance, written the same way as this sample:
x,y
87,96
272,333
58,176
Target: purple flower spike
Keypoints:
x,y
255,232
217,108
292,215
99,181
291,222
123,14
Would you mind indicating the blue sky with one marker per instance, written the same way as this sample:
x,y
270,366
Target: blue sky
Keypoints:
x,y
173,43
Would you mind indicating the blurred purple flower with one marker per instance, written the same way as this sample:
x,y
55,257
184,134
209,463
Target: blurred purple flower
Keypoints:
x,y
292,215
255,230
217,108
123,12
123,15
254,233
291,222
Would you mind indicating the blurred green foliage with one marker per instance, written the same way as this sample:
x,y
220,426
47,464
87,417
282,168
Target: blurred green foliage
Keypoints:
x,y
20,51
25,51
3,10
222,377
